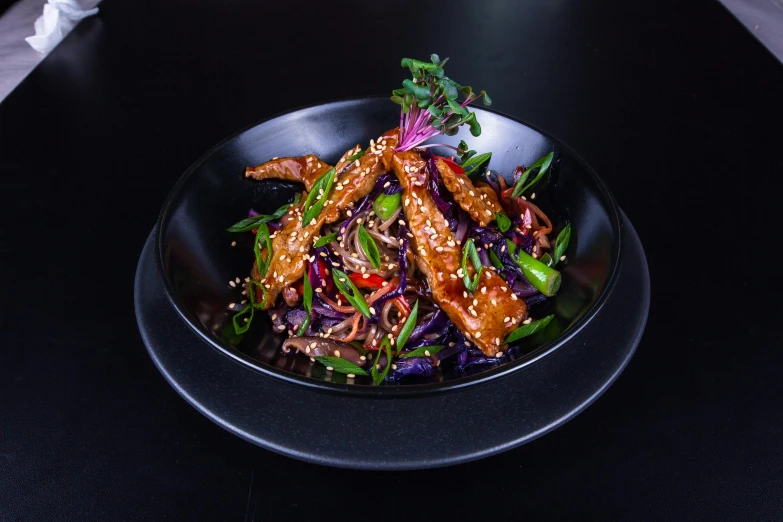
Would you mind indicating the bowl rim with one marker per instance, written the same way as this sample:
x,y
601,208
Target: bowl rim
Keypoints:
x,y
397,390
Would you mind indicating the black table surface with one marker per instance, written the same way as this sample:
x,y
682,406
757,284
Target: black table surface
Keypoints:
x,y
674,103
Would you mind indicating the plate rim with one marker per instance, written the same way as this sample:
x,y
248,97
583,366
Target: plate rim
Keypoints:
x,y
407,390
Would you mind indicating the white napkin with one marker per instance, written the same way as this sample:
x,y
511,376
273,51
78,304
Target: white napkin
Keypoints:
x,y
59,17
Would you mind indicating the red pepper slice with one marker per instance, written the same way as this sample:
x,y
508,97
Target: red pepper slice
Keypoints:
x,y
374,281
456,168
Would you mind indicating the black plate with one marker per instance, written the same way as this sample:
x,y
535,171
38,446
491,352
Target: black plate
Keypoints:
x,y
196,261
408,432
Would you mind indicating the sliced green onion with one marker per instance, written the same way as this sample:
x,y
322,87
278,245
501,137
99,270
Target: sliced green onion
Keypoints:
x,y
251,295
542,164
308,304
369,247
545,279
471,252
313,204
240,329
325,240
356,156
384,206
423,351
250,223
495,261
407,328
340,365
547,260
528,329
561,243
378,377
475,162
263,235
350,292
504,223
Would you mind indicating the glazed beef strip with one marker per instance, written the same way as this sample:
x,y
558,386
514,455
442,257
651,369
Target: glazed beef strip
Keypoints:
x,y
493,311
479,200
292,243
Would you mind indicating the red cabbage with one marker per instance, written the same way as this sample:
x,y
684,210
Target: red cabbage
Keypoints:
x,y
412,366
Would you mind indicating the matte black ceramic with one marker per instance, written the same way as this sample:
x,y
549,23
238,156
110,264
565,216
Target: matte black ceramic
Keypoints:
x,y
196,261
411,431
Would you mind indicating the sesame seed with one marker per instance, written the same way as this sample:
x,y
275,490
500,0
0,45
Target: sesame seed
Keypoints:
x,y
233,243
470,192
494,302
533,195
273,159
247,320
313,221
452,276
231,305
483,289
337,353
513,297
475,302
307,349
504,289
329,368
362,358
372,311
312,359
318,289
562,258
350,376
394,366
527,321
478,334
464,293
233,284
237,280
506,319
365,276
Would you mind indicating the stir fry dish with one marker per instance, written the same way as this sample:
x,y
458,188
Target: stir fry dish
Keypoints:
x,y
396,260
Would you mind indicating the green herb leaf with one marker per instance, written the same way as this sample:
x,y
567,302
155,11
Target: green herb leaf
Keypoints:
x,y
241,327
420,352
504,223
262,236
528,329
313,205
472,122
250,223
470,252
487,99
369,247
377,377
350,292
419,91
356,156
407,328
457,108
561,243
340,365
542,164
325,240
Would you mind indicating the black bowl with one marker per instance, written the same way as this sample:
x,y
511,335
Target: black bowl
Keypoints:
x,y
196,262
